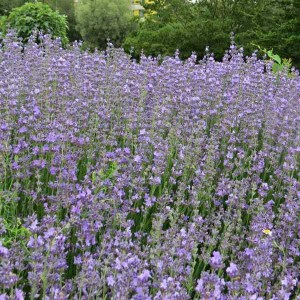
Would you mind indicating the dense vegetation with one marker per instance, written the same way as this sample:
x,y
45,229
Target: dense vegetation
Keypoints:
x,y
100,20
191,27
133,177
178,24
125,180
64,7
38,17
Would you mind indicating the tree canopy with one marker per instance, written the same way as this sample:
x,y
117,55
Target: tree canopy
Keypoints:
x,y
37,16
187,26
99,20
67,7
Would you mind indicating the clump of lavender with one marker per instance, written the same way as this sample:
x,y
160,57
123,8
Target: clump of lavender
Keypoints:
x,y
149,180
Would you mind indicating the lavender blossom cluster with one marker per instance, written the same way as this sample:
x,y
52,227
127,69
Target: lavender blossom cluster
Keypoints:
x,y
150,180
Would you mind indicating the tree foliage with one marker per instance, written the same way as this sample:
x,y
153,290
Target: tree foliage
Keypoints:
x,y
180,24
7,5
99,20
66,7
37,16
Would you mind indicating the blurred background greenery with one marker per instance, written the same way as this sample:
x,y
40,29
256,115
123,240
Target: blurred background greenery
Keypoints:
x,y
163,26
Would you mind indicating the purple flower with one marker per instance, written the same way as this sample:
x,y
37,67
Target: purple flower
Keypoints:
x,y
119,179
142,131
210,286
137,158
19,295
216,260
145,275
110,281
155,180
232,270
3,251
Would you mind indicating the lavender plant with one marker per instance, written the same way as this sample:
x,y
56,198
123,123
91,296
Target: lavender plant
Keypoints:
x,y
150,180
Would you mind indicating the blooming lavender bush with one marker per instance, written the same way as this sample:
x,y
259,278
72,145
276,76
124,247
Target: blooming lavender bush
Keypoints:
x,y
125,180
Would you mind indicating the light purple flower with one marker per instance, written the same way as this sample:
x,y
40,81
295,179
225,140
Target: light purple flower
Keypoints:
x,y
232,270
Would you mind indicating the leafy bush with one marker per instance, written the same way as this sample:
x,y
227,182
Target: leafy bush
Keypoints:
x,y
40,17
100,20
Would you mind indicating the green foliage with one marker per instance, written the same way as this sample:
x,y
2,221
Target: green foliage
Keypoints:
x,y
15,232
190,27
279,64
7,5
156,40
289,30
99,20
67,7
3,20
39,16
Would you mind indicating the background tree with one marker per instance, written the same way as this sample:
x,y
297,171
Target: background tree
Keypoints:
x,y
98,20
66,7
163,32
7,5
179,24
31,16
288,30
185,26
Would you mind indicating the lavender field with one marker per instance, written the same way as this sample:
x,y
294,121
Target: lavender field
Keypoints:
x,y
150,180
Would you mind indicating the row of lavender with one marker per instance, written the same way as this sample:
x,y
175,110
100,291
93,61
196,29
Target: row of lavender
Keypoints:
x,y
125,180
